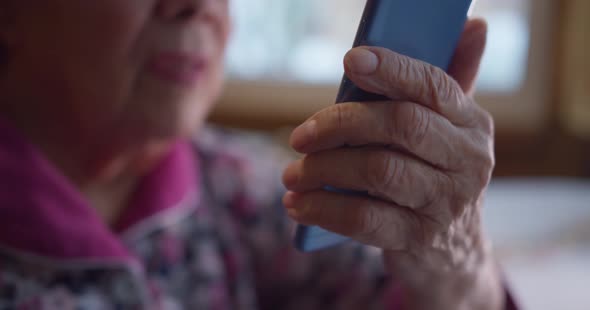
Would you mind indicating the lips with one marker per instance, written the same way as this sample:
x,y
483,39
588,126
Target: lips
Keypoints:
x,y
180,68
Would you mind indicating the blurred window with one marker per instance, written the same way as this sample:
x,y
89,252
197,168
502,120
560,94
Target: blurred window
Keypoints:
x,y
285,57
304,40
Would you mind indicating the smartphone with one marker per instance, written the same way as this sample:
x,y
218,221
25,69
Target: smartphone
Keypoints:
x,y
427,30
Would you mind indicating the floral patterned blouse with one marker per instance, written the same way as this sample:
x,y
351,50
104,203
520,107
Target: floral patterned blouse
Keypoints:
x,y
205,230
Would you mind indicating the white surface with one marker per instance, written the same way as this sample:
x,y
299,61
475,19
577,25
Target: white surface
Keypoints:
x,y
540,228
556,282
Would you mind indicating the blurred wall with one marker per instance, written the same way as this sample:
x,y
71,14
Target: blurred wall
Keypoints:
x,y
562,146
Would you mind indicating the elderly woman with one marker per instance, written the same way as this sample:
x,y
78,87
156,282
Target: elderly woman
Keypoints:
x,y
114,195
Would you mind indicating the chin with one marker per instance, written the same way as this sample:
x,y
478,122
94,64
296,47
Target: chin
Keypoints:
x,y
178,121
161,112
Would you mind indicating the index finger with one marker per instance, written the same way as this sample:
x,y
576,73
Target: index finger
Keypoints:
x,y
382,71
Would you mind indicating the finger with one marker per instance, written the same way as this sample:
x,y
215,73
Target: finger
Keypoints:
x,y
467,59
384,72
383,173
409,126
366,220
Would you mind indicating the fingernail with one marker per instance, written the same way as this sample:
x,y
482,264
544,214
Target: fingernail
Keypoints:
x,y
361,61
303,135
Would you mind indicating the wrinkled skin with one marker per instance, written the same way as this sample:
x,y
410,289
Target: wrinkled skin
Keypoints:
x,y
425,158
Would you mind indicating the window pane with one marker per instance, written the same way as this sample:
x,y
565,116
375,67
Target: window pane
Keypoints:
x,y
304,40
505,61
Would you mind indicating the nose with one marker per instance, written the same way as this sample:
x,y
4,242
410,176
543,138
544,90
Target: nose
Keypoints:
x,y
178,10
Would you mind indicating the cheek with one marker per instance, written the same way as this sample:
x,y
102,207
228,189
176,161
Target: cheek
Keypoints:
x,y
108,64
113,43
90,62
217,81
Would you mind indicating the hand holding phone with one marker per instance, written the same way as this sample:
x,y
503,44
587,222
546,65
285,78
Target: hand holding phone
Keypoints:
x,y
427,30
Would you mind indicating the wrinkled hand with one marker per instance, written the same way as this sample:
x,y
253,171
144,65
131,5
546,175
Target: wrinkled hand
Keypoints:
x,y
425,158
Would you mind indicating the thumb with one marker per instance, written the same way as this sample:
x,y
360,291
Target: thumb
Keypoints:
x,y
467,59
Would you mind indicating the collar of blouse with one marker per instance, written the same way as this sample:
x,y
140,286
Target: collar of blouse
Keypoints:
x,y
43,215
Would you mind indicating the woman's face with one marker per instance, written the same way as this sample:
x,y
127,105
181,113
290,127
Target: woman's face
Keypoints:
x,y
130,70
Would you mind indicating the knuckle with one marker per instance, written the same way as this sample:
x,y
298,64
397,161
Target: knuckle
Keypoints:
x,y
383,172
407,71
391,114
489,161
400,74
444,202
485,167
479,179
476,178
419,119
372,224
481,120
396,128
421,230
440,87
446,87
411,126
390,69
488,123
403,117
343,115
458,199
433,84
441,185
485,172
